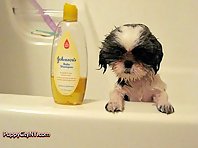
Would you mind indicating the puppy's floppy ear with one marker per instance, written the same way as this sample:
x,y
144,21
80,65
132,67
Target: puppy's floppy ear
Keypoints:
x,y
110,51
158,54
102,60
105,56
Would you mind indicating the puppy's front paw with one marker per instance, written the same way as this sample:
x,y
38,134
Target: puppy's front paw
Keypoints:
x,y
115,106
166,108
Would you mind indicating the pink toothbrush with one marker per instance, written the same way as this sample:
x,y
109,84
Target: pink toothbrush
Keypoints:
x,y
48,20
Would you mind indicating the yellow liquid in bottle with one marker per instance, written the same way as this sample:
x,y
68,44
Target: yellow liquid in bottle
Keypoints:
x,y
75,98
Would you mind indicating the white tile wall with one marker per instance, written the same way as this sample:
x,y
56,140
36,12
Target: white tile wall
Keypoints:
x,y
173,22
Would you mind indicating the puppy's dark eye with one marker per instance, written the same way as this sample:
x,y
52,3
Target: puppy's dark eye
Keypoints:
x,y
119,51
143,55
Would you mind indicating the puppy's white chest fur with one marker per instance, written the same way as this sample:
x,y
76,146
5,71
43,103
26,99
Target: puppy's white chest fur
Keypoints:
x,y
144,89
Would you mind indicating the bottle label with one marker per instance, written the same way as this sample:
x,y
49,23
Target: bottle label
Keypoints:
x,y
66,65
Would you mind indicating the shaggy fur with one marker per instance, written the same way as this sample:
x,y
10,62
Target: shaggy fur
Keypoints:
x,y
134,55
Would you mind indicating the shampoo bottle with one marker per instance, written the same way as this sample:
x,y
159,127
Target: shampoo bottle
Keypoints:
x,y
69,59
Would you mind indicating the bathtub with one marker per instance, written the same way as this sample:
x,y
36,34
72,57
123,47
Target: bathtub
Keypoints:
x,y
30,118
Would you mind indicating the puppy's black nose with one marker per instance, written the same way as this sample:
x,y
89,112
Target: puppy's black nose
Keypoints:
x,y
128,64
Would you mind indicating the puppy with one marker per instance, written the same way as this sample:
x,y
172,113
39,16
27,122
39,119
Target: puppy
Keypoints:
x,y
134,54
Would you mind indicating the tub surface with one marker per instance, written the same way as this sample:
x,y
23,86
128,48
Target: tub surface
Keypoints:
x,y
90,126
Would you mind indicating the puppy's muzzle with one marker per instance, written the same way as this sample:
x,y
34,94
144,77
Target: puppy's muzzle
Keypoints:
x,y
128,64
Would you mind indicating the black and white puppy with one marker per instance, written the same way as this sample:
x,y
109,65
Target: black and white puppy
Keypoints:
x,y
134,54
